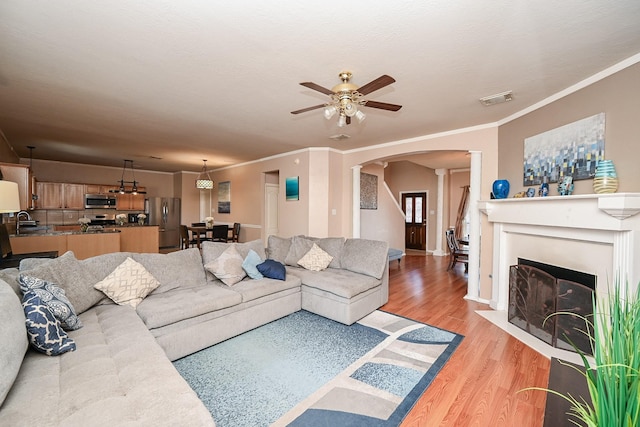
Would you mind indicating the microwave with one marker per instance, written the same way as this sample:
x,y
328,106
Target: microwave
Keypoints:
x,y
99,201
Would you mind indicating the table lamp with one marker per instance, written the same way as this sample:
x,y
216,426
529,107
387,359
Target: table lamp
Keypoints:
x,y
9,197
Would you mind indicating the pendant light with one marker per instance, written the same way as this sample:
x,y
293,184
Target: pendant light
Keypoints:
x,y
134,187
204,181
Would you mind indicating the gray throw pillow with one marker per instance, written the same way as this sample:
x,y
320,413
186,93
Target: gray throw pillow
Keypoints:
x,y
364,256
77,281
10,275
278,248
211,251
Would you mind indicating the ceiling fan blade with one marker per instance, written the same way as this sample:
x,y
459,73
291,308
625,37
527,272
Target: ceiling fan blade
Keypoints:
x,y
304,110
376,84
317,87
383,105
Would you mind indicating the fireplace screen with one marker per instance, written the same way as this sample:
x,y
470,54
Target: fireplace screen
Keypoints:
x,y
535,295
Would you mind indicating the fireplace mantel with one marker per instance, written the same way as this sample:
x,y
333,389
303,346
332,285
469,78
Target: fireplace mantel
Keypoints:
x,y
595,233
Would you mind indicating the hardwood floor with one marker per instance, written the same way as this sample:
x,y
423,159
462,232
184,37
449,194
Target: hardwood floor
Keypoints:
x,y
479,385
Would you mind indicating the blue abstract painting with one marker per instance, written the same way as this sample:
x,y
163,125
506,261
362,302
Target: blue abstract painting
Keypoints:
x,y
292,188
570,150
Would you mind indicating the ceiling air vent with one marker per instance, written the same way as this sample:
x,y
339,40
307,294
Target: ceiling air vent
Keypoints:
x,y
498,98
339,137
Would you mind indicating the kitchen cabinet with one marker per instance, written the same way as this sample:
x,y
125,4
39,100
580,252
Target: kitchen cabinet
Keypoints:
x,y
83,245
99,188
130,202
20,174
140,239
56,195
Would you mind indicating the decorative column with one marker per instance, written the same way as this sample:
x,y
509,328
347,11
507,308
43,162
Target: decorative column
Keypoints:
x,y
440,213
473,282
355,208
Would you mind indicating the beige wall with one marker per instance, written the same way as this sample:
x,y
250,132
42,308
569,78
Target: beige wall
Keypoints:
x,y
617,96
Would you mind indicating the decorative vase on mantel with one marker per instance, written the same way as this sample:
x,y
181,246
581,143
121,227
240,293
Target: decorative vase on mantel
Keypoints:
x,y
606,179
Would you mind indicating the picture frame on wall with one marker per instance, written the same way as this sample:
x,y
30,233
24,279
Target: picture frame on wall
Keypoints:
x,y
368,191
292,188
572,150
224,197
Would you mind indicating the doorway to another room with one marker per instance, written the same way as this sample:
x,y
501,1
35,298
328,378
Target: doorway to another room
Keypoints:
x,y
414,206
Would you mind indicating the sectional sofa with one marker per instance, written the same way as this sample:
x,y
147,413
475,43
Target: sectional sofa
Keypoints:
x,y
120,372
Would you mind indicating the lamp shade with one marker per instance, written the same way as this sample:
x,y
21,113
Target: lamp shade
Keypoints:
x,y
9,197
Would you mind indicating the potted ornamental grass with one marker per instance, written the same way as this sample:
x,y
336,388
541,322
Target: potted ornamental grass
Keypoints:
x,y
613,373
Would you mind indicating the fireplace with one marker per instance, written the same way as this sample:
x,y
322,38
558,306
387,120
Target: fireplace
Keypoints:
x,y
538,290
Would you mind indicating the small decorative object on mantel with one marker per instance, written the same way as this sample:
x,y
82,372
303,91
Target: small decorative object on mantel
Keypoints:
x,y
500,189
531,192
121,219
209,222
606,179
84,224
565,186
544,188
141,218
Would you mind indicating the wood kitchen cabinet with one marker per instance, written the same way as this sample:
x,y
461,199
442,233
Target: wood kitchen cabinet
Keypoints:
x,y
99,188
20,174
130,202
56,195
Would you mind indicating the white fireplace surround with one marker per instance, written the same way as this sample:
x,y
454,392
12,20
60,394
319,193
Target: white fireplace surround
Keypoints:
x,y
595,233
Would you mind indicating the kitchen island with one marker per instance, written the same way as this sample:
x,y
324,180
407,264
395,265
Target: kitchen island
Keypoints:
x,y
90,243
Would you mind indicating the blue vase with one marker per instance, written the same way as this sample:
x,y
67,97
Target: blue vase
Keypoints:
x,y
500,189
606,178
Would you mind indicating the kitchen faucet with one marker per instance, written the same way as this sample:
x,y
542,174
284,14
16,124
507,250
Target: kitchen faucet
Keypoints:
x,y
21,213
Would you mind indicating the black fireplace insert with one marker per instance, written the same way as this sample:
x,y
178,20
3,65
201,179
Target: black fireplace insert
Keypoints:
x,y
537,291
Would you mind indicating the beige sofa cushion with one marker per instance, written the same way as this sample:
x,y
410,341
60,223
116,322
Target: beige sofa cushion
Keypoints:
x,y
173,269
13,336
118,376
364,256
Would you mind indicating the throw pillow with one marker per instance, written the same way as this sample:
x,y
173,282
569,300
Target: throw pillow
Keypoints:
x,y
299,247
272,269
228,266
128,284
43,329
250,263
71,275
55,298
316,259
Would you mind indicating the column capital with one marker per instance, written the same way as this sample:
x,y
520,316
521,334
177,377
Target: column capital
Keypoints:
x,y
441,171
356,167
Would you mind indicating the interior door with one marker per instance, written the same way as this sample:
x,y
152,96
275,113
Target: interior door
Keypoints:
x,y
414,206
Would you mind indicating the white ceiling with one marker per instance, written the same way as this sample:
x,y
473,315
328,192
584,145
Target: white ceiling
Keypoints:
x,y
101,81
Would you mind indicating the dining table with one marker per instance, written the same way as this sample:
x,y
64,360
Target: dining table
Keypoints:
x,y
197,231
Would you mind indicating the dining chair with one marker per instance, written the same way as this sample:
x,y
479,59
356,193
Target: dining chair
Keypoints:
x,y
220,233
456,254
203,235
235,232
186,241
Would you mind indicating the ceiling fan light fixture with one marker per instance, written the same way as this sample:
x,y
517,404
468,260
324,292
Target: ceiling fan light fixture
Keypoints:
x,y
330,111
204,181
349,107
342,121
360,116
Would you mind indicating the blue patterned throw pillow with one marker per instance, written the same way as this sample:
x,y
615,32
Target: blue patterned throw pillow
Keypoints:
x,y
55,298
43,329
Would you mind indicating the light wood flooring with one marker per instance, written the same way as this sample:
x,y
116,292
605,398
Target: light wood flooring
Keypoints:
x,y
479,384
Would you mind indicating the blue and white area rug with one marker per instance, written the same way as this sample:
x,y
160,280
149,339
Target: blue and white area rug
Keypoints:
x,y
306,370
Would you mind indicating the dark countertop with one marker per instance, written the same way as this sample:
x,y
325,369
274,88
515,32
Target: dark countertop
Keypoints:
x,y
60,233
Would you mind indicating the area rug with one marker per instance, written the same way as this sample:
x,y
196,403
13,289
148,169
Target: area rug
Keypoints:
x,y
306,370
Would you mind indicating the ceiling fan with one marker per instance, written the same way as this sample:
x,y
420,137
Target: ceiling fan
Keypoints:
x,y
346,97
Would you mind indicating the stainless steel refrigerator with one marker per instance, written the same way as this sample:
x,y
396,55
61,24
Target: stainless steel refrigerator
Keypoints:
x,y
165,213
